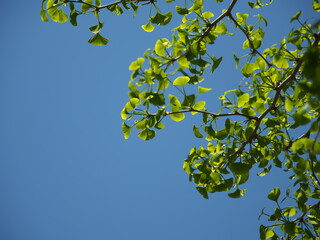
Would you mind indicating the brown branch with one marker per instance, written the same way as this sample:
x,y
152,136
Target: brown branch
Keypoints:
x,y
275,99
213,115
305,135
206,32
104,6
254,50
218,19
301,218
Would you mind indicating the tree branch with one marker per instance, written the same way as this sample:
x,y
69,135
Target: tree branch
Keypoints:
x,y
213,115
218,19
275,99
104,6
254,50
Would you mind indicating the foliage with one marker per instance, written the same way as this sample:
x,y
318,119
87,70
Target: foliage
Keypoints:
x,y
258,123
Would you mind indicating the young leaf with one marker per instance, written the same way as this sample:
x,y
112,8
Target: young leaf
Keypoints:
x,y
181,81
243,99
148,27
43,15
203,90
86,5
177,115
147,134
126,130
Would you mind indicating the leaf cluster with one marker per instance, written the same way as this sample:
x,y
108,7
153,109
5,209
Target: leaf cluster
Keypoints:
x,y
259,123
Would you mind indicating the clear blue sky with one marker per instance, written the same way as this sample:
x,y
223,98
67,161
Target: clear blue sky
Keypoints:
x,y
66,173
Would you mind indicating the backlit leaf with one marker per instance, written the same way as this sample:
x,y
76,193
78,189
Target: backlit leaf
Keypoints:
x,y
148,27
181,81
243,99
126,130
203,90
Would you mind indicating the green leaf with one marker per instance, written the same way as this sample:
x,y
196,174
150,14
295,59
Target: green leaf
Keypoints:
x,y
207,15
182,11
239,168
98,3
288,105
274,194
115,9
316,5
181,81
265,232
221,28
290,211
203,192
73,15
249,68
199,105
197,132
56,14
279,61
222,134
148,27
188,100
243,99
98,40
265,171
136,64
296,17
43,15
174,100
262,19
236,59
155,98
147,134
177,116
86,7
161,19
160,46
301,117
203,90
125,130
215,64
159,125
96,28
238,193
289,228
242,18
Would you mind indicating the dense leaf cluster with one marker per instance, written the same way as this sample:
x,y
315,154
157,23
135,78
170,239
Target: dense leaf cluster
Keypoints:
x,y
257,123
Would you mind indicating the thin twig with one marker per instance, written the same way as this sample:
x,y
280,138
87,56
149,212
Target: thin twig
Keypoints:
x,y
275,99
254,50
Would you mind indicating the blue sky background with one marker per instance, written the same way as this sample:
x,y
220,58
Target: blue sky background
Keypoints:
x,y
65,170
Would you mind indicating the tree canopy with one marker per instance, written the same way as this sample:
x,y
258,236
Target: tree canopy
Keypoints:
x,y
270,120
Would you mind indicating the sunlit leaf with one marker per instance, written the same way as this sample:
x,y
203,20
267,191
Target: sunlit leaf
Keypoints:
x,y
126,130
181,81
147,134
148,27
243,99
203,90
